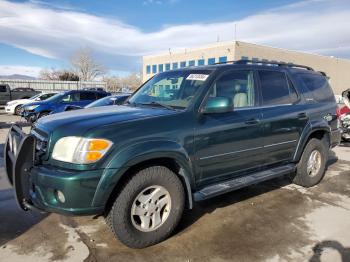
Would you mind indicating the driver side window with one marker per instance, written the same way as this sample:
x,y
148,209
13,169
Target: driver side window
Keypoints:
x,y
237,85
71,98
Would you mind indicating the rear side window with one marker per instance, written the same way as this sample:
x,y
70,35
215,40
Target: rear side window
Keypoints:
x,y
87,96
274,88
100,95
3,89
318,86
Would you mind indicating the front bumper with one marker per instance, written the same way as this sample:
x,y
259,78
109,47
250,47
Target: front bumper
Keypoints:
x,y
9,109
30,116
36,186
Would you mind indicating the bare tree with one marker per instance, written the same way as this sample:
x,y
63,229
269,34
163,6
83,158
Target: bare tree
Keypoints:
x,y
49,74
118,84
62,75
85,65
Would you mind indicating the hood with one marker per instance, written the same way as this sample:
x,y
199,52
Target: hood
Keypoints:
x,y
31,103
21,101
98,116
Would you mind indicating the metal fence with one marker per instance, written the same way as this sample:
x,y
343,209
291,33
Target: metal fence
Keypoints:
x,y
52,85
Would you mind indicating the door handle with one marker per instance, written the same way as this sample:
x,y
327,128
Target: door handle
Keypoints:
x,y
252,121
302,116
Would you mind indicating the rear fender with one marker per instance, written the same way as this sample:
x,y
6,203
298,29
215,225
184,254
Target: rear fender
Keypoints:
x,y
310,128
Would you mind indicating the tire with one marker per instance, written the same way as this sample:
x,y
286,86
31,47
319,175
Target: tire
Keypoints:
x,y
309,177
43,114
18,110
127,227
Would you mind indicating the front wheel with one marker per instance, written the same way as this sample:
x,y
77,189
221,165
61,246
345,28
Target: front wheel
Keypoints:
x,y
18,110
148,208
312,165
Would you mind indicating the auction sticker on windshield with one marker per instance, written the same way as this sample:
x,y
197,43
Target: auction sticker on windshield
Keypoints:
x,y
199,77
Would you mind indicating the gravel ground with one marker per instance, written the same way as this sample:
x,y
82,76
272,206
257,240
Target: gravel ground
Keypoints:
x,y
273,221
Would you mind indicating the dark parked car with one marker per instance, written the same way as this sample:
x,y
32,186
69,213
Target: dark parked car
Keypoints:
x,y
106,101
6,94
57,103
186,135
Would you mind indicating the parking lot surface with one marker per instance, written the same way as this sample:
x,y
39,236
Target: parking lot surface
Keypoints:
x,y
273,221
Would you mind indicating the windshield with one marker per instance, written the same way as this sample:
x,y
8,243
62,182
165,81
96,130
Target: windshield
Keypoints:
x,y
56,97
33,97
106,101
174,89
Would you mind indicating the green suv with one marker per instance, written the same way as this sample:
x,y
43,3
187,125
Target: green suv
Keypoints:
x,y
184,136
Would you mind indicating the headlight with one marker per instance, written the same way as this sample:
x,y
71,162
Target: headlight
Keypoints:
x,y
79,150
31,107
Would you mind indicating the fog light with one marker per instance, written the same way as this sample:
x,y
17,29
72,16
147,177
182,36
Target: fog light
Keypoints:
x,y
60,196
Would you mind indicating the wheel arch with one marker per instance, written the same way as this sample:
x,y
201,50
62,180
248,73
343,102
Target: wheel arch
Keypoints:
x,y
113,179
321,132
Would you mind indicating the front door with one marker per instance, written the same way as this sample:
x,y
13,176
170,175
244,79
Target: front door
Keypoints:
x,y
229,144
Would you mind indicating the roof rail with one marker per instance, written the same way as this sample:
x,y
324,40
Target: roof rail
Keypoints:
x,y
282,64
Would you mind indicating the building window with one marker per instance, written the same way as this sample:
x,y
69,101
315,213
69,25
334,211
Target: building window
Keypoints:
x,y
175,65
160,68
223,59
191,63
244,58
201,62
154,69
167,67
148,69
211,61
182,64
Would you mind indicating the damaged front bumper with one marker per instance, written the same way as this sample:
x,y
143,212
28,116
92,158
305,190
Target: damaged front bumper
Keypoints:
x,y
19,153
37,185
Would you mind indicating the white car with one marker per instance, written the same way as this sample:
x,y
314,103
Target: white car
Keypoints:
x,y
14,106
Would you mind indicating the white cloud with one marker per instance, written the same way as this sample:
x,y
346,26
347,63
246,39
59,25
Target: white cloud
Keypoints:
x,y
6,70
315,26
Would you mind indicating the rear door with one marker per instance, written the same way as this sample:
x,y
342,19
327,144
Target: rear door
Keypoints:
x,y
283,116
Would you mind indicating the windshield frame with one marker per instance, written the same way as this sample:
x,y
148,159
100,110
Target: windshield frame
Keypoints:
x,y
200,70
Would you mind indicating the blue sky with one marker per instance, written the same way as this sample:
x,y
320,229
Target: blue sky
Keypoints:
x,y
38,34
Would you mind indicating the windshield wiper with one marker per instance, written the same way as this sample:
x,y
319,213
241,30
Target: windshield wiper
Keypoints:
x,y
154,103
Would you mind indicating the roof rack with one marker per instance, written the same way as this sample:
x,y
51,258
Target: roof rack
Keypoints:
x,y
282,64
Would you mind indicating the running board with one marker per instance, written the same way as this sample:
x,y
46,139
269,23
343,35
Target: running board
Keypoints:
x,y
240,182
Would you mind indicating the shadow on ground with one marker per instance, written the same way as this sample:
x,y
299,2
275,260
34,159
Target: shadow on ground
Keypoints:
x,y
231,198
13,221
319,248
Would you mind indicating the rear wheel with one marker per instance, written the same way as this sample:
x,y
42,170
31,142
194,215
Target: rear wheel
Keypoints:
x,y
148,208
312,165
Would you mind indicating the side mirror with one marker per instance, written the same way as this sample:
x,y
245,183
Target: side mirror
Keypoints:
x,y
218,105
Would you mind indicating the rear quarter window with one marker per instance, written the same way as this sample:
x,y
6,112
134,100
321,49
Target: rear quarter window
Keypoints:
x,y
318,87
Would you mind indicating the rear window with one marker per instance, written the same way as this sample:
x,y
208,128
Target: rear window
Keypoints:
x,y
3,89
318,86
87,96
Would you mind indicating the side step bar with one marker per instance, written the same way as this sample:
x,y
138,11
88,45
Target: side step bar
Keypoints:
x,y
240,182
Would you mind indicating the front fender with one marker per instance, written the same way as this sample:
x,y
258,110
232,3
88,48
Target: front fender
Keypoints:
x,y
138,153
310,128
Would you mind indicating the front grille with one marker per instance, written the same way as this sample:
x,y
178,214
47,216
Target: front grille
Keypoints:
x,y
41,142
